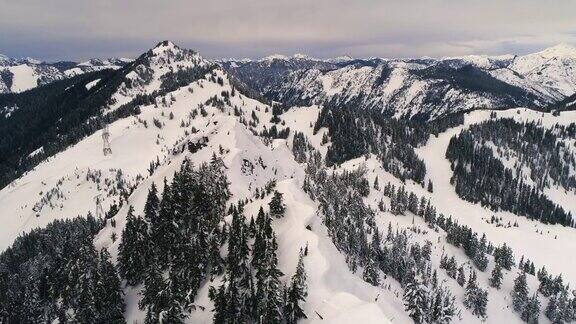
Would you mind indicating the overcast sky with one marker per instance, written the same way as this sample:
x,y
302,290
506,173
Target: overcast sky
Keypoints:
x,y
79,29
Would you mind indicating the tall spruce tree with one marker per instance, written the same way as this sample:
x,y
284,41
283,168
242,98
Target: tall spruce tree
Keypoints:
x,y
133,251
109,296
155,295
531,310
496,278
520,292
415,301
475,298
297,292
274,302
152,204
277,207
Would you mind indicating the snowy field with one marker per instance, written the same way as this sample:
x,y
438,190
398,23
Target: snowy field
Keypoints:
x,y
65,185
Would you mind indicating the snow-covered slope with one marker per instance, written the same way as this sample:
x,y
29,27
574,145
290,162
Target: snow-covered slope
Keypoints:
x,y
208,110
17,75
65,185
23,76
554,67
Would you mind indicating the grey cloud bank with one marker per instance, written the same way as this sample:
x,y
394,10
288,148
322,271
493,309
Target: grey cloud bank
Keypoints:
x,y
75,30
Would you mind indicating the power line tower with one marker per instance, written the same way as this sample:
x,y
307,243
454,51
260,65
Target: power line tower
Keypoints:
x,y
106,141
99,209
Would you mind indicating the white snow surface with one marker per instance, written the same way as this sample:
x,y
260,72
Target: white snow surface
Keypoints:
x,y
24,78
60,188
90,84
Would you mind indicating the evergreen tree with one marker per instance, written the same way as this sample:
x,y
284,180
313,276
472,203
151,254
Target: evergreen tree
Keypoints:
x,y
109,296
370,274
133,252
163,230
156,295
85,280
503,256
442,308
553,312
476,298
277,207
415,301
531,311
461,276
234,306
152,204
297,292
520,292
496,278
218,297
274,302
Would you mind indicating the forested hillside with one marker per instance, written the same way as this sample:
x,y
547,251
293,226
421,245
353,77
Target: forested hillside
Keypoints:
x,y
167,192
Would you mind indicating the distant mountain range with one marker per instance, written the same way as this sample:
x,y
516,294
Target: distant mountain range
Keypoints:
x,y
423,88
17,75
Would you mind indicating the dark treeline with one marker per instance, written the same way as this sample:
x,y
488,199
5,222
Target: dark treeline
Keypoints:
x,y
543,150
174,250
354,133
479,176
441,124
56,274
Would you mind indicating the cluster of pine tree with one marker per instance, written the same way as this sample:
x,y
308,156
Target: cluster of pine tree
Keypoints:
x,y
273,132
561,306
402,201
457,235
176,245
527,306
352,228
527,266
300,147
475,298
252,290
441,124
354,133
480,177
55,274
183,76
175,248
542,150
429,304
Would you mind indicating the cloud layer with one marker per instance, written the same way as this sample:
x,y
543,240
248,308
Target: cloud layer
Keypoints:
x,y
78,29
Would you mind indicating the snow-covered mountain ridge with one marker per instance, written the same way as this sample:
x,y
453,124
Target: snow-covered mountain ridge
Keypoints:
x,y
417,88
171,105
